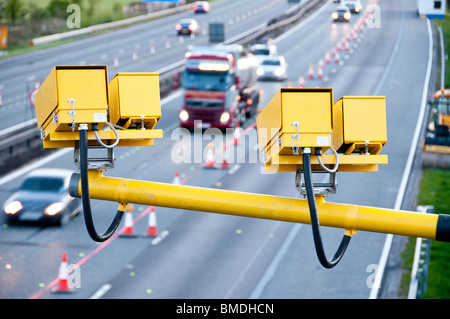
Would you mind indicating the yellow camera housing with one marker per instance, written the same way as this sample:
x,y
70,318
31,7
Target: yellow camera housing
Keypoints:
x,y
296,118
130,109
292,112
78,90
359,124
73,95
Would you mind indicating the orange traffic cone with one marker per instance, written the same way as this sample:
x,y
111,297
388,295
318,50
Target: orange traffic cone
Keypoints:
x,y
210,156
237,133
152,48
320,73
176,179
301,81
152,230
63,286
327,57
320,64
128,230
311,72
337,58
225,164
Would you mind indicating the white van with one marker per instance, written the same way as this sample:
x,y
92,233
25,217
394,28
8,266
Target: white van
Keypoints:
x,y
260,51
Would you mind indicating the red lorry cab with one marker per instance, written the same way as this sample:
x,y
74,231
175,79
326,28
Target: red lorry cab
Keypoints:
x,y
218,85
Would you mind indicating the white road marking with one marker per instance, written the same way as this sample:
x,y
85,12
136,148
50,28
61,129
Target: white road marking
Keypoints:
x,y
160,237
103,290
406,173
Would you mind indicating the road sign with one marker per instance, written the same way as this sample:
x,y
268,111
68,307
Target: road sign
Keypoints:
x,y
31,97
216,32
3,36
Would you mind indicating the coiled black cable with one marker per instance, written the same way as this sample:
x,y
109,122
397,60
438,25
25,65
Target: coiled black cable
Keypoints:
x,y
85,195
315,219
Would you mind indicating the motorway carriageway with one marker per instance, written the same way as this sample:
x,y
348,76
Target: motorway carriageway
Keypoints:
x,y
213,256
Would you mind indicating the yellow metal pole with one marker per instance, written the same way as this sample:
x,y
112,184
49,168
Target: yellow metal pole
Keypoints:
x,y
349,217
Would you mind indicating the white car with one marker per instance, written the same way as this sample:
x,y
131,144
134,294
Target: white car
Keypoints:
x,y
272,68
261,51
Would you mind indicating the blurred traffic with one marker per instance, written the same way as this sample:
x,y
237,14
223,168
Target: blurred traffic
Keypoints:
x,y
187,26
43,198
273,68
219,87
201,7
217,84
262,50
354,6
342,13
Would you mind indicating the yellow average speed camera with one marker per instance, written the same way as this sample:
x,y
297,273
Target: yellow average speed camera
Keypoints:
x,y
350,132
300,130
121,113
135,100
72,94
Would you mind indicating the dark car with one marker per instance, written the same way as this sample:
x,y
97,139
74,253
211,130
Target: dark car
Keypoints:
x,y
44,198
354,5
187,26
341,14
201,7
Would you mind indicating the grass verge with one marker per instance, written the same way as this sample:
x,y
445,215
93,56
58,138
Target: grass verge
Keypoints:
x,y
434,190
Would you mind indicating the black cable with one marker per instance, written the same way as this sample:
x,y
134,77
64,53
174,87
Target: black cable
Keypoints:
x,y
315,220
85,196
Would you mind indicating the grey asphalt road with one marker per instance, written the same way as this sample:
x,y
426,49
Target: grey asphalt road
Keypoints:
x,y
215,256
22,282
18,74
294,272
